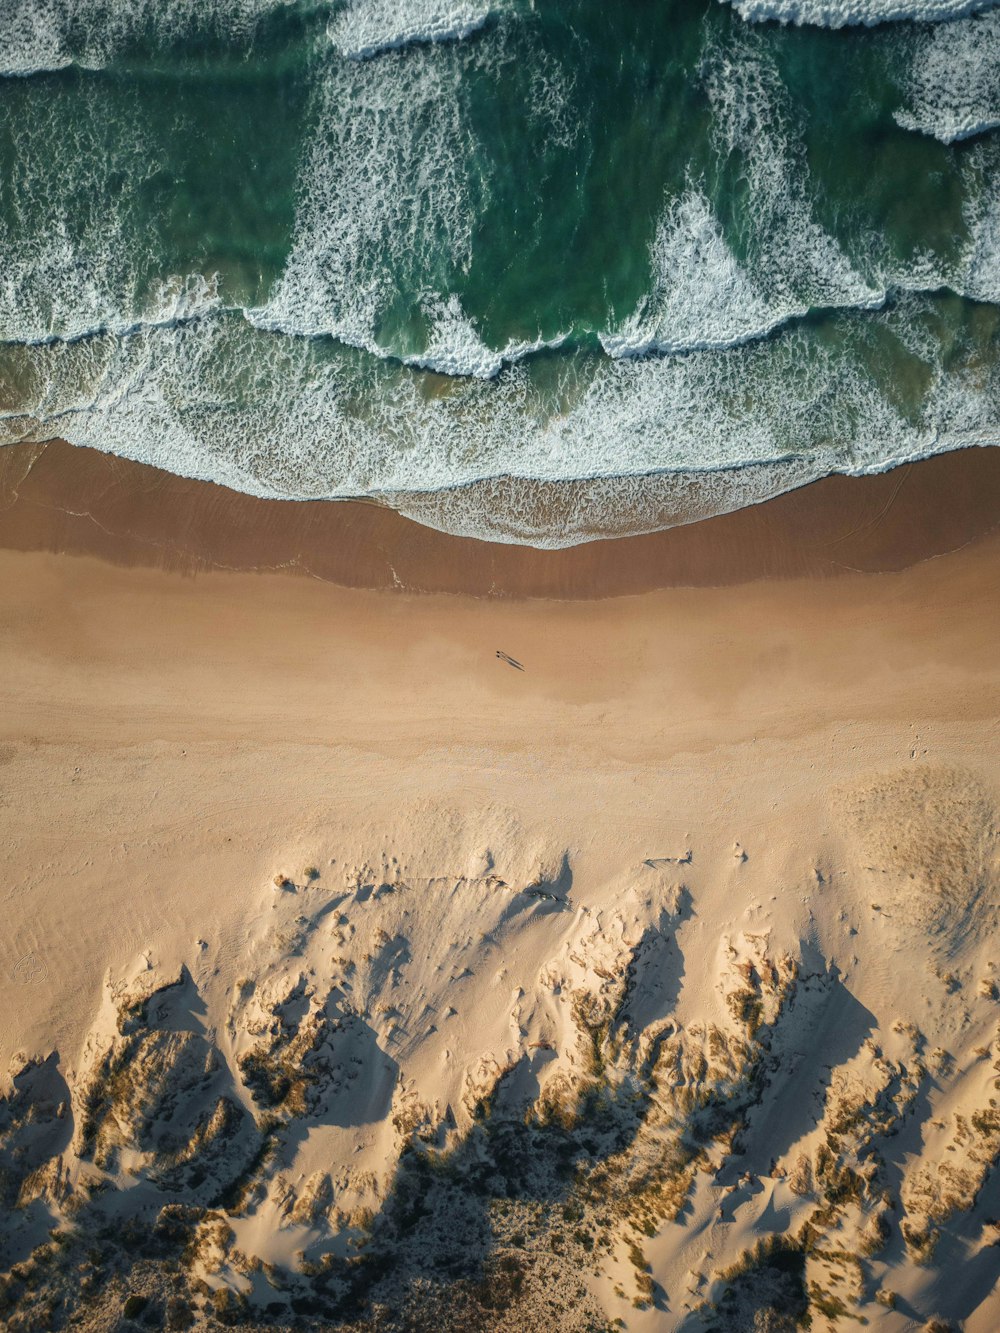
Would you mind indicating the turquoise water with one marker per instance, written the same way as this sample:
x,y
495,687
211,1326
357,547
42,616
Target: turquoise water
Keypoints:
x,y
435,251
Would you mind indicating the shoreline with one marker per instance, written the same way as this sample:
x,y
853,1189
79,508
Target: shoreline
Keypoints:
x,y
58,497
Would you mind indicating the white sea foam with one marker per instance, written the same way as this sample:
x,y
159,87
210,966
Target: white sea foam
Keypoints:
x,y
388,198
512,509
551,100
954,83
455,346
39,35
384,203
796,262
383,196
701,295
175,300
866,13
282,416
980,276
69,266
367,27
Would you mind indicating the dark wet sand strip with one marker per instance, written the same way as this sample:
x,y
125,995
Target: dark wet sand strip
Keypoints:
x,y
61,498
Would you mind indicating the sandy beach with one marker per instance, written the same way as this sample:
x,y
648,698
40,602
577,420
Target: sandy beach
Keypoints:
x,y
499,666
722,731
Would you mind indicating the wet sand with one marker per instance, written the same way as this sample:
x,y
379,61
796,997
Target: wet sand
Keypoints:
x,y
59,498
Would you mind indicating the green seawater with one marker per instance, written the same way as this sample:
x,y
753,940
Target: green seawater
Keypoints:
x,y
568,240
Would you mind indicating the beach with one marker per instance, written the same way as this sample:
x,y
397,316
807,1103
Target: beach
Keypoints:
x,y
204,694
499,666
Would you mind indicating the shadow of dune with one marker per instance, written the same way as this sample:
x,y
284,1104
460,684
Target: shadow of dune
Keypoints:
x,y
834,1027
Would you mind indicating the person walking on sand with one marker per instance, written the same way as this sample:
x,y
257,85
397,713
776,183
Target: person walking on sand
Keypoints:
x,y
511,661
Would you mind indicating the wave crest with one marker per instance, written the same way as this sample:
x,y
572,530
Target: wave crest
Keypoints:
x,y
863,13
369,27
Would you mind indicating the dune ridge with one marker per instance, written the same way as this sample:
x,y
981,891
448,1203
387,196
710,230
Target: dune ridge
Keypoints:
x,y
442,1086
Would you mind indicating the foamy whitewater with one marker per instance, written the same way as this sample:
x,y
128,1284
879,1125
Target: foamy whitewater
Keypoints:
x,y
534,272
955,85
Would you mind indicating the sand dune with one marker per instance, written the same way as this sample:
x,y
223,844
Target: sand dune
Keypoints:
x,y
402,1090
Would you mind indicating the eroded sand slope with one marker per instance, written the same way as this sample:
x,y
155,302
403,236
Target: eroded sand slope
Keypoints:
x,y
440,1077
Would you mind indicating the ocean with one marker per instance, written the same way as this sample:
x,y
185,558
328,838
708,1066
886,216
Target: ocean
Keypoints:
x,y
540,271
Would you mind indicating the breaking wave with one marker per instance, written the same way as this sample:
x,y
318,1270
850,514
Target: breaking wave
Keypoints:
x,y
954,86
368,27
865,13
462,309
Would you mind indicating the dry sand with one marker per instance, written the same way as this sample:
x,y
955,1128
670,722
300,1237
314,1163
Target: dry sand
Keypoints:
x,y
718,772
